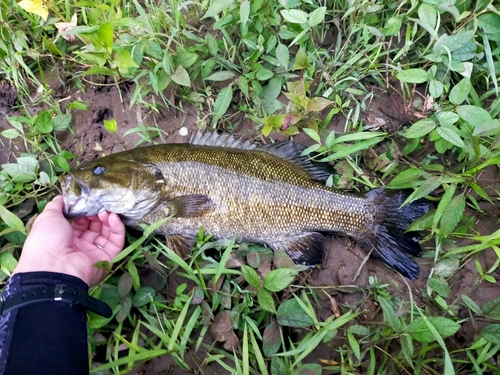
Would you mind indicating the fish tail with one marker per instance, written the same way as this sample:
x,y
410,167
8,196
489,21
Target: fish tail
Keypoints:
x,y
390,240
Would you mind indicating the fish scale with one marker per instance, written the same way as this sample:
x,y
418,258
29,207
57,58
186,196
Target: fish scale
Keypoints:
x,y
267,194
265,204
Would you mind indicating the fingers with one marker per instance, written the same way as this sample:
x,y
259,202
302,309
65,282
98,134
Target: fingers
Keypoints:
x,y
53,208
55,205
116,236
104,231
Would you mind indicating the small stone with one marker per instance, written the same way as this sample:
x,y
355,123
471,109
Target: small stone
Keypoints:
x,y
183,131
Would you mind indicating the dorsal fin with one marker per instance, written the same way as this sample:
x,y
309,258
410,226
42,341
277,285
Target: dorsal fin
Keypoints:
x,y
286,150
292,151
209,138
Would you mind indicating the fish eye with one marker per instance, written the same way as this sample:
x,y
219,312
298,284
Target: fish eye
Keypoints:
x,y
158,175
96,171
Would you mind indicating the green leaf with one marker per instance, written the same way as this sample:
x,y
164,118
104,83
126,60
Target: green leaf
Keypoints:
x,y
443,203
358,136
460,91
492,308
271,340
308,369
407,179
43,122
264,74
489,22
444,326
447,43
473,115
317,104
283,55
492,333
294,15
111,125
452,215
181,77
479,191
66,154
126,306
354,345
451,136
105,34
413,76
427,186
446,267
428,15
291,314
447,118
491,127
96,321
420,128
390,316
278,366
317,16
279,279
24,170
270,93
218,6
471,304
301,60
143,296
466,52
489,61
435,88
442,145
124,61
222,75
266,301
251,276
222,102
313,134
7,261
62,163
350,149
244,12
10,134
184,58
124,284
11,220
392,26
61,122
440,286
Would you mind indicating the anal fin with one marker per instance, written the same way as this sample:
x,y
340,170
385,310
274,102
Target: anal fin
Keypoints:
x,y
181,244
306,249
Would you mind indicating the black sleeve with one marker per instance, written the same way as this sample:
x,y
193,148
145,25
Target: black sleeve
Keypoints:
x,y
44,337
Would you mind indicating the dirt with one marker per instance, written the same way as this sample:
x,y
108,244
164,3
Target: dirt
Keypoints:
x,y
343,273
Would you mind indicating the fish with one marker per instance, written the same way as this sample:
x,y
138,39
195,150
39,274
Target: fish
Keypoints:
x,y
269,194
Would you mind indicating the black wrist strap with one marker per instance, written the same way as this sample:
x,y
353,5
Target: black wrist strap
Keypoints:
x,y
75,296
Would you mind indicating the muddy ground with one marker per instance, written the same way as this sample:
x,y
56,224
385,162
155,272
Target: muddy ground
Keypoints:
x,y
343,259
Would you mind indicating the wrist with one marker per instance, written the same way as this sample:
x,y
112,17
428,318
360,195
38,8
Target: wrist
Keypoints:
x,y
48,264
29,288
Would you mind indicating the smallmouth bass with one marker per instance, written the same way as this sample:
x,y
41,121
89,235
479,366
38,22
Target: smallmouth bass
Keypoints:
x,y
266,194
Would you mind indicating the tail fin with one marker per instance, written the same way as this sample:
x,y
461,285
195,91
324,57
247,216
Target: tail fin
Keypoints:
x,y
390,241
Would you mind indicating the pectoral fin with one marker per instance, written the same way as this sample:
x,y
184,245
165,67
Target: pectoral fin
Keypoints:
x,y
306,249
193,205
181,244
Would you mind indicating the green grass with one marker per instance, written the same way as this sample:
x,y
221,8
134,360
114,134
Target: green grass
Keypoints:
x,y
233,59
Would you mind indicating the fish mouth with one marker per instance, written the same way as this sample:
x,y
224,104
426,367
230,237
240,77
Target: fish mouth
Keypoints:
x,y
77,200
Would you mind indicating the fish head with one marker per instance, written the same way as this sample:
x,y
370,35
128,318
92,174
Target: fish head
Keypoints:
x,y
126,187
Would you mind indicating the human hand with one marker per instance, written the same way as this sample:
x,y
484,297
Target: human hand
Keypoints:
x,y
55,245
